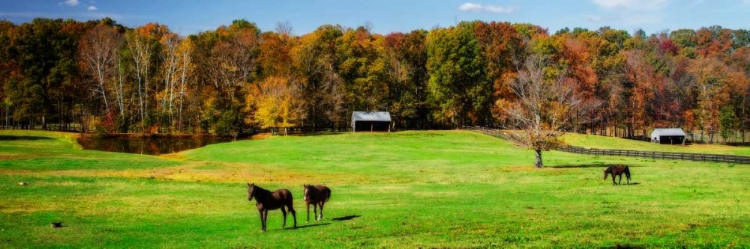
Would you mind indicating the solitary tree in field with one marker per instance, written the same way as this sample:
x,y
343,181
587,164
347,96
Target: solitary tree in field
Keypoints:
x,y
543,107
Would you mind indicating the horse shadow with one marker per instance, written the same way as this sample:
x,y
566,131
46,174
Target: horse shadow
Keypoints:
x,y
622,246
578,166
311,225
583,166
348,217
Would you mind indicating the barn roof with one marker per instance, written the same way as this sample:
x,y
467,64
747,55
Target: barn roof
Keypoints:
x,y
371,116
667,132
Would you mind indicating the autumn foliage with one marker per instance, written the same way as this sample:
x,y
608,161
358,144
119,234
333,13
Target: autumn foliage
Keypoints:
x,y
60,74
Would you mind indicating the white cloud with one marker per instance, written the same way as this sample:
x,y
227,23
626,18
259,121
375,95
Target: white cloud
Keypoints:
x,y
92,8
71,2
475,7
470,7
643,5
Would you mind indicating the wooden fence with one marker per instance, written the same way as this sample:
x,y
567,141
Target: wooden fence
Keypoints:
x,y
634,153
659,155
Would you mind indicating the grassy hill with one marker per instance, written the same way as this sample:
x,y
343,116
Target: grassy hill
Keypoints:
x,y
403,189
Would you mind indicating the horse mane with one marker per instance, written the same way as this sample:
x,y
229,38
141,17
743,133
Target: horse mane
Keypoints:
x,y
260,190
311,188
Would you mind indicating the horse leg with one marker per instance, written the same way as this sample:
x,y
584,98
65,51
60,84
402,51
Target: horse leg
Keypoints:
x,y
308,211
315,211
620,180
262,222
265,219
283,213
613,179
321,210
294,213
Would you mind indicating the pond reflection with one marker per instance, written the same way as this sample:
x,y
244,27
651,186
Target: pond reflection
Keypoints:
x,y
148,145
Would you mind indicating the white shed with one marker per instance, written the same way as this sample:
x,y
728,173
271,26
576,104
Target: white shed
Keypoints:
x,y
371,121
668,136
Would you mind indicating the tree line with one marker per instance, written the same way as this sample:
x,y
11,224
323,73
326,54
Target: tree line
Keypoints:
x,y
99,75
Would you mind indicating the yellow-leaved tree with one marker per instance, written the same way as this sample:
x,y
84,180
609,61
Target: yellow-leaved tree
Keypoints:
x,y
275,104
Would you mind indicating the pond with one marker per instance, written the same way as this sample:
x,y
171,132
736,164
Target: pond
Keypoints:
x,y
148,145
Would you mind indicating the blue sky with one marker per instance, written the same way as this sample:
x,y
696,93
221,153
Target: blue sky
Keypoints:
x,y
192,16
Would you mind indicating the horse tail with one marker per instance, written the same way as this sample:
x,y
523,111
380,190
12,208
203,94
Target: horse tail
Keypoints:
x,y
627,172
290,197
329,194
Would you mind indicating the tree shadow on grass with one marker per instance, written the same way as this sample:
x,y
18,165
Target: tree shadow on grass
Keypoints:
x,y
348,217
585,166
9,138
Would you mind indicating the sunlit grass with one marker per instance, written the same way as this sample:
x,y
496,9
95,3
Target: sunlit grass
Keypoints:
x,y
404,189
602,142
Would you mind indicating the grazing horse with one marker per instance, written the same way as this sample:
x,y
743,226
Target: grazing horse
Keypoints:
x,y
617,170
267,200
317,195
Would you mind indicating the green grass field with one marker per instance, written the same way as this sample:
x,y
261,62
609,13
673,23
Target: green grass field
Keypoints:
x,y
404,189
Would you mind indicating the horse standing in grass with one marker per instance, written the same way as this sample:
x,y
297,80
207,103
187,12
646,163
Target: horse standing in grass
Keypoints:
x,y
267,200
317,195
617,170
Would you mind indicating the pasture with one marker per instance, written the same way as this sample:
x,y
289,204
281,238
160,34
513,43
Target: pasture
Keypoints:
x,y
403,189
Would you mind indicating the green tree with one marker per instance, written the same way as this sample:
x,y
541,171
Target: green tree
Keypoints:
x,y
44,51
728,121
458,82
407,57
363,69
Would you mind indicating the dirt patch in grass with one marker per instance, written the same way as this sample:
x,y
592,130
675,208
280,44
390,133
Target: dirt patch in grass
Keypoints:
x,y
209,172
174,157
519,169
15,157
260,136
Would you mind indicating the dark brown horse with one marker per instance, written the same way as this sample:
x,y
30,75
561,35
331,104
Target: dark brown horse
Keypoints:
x,y
617,170
317,195
267,200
